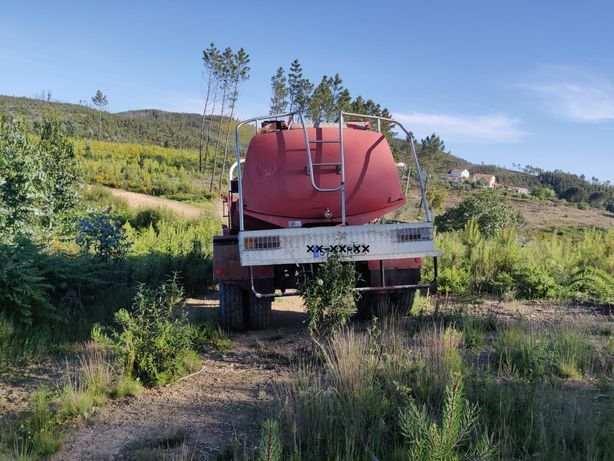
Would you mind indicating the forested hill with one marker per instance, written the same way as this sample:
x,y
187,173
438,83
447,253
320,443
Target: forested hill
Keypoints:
x,y
181,130
168,129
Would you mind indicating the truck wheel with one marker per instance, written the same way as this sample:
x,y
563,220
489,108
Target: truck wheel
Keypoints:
x,y
231,307
259,312
403,301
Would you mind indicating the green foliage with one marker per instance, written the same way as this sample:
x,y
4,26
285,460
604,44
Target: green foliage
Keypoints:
x,y
153,342
436,197
102,234
521,353
546,266
24,290
20,166
592,284
270,441
486,207
39,178
543,193
329,297
432,441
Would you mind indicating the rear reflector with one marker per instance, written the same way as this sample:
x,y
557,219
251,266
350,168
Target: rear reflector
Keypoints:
x,y
415,234
261,243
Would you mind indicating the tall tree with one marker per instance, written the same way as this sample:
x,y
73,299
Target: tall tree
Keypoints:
x,y
322,103
299,88
279,99
210,56
100,101
241,71
227,74
217,69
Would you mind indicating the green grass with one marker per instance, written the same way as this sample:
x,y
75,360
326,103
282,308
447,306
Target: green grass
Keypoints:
x,y
477,390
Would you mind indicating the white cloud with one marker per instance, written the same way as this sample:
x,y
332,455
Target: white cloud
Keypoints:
x,y
494,128
573,95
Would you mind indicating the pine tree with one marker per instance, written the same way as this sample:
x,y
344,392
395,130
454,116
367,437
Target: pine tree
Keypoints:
x,y
100,101
300,88
241,74
210,55
279,101
228,72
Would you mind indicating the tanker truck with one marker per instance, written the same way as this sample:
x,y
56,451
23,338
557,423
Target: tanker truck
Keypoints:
x,y
303,193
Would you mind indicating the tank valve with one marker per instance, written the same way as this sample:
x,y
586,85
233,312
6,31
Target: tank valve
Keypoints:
x,y
328,214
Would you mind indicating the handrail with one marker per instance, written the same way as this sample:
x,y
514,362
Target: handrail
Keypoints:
x,y
410,139
341,187
232,170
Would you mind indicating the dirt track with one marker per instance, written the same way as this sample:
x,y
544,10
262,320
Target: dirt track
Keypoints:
x,y
136,200
225,402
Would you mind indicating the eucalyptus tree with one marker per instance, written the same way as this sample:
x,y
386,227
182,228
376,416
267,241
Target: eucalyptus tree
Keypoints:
x,y
241,74
279,98
210,57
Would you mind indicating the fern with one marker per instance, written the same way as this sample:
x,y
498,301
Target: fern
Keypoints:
x,y
593,284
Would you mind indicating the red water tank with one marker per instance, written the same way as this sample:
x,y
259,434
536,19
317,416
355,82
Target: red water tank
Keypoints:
x,y
277,186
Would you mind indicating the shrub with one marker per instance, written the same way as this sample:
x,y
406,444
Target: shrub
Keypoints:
x,y
454,280
102,233
487,208
24,291
153,342
329,297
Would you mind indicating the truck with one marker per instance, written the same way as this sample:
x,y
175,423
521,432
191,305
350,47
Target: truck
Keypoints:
x,y
301,194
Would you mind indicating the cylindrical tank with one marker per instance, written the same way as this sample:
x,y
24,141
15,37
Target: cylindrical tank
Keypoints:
x,y
277,187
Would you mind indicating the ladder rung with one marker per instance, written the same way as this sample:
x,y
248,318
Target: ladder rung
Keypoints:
x,y
335,141
326,164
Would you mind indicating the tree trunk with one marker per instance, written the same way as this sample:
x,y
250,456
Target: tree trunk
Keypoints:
x,y
202,127
217,141
210,123
232,111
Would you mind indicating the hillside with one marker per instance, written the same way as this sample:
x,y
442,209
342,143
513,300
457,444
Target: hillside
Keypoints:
x,y
150,126
182,131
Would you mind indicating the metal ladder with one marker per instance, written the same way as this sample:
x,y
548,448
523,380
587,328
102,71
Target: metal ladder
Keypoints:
x,y
340,165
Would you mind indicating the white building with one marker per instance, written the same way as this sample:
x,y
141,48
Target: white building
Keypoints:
x,y
489,179
456,175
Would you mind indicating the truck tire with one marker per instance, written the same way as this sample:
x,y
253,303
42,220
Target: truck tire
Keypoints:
x,y
259,312
385,304
231,307
403,301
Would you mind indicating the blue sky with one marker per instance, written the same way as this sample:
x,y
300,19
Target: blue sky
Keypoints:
x,y
529,82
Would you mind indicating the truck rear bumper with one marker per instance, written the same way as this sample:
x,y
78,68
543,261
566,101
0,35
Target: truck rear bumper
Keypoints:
x,y
352,243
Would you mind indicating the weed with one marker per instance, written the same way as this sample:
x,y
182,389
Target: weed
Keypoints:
x,y
329,297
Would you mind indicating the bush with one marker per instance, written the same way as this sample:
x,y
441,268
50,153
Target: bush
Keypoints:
x,y
486,207
329,297
153,342
102,233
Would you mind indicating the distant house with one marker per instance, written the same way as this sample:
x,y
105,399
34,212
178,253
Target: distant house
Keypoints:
x,y
522,190
457,174
489,179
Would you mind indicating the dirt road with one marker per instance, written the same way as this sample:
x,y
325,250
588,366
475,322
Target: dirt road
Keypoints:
x,y
136,200
224,403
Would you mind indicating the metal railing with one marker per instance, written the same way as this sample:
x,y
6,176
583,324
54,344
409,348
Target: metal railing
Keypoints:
x,y
310,164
